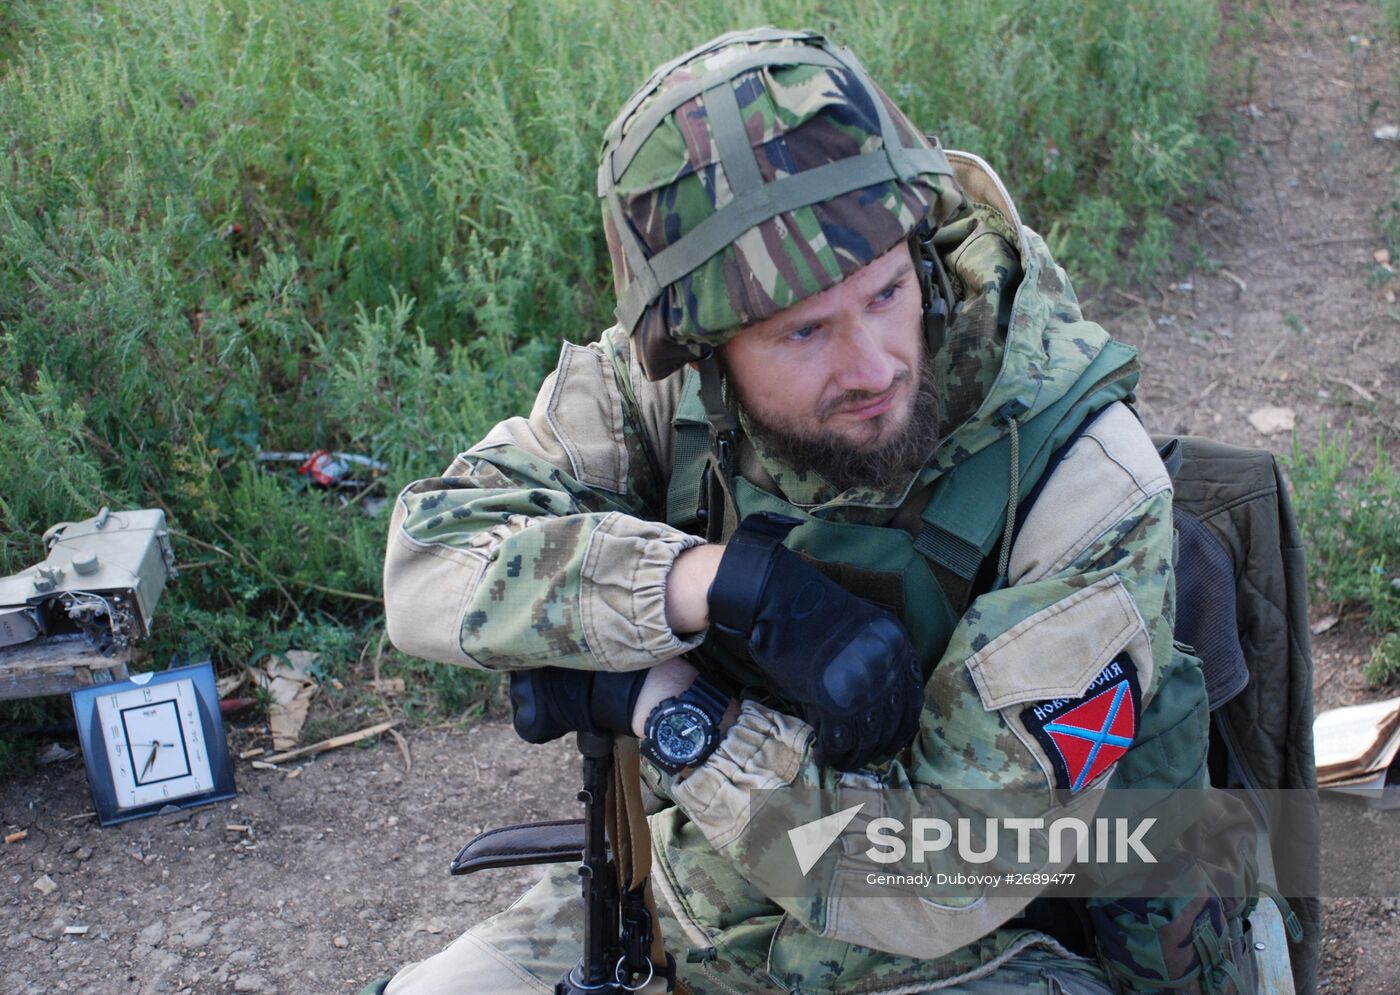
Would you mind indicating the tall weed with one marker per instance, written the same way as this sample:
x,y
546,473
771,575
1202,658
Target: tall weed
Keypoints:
x,y
1349,527
229,226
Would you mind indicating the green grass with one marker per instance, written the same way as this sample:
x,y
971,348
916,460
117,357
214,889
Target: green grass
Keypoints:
x,y
1390,17
1349,527
234,225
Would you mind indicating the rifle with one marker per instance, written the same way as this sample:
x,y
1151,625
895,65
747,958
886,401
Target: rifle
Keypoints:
x,y
620,933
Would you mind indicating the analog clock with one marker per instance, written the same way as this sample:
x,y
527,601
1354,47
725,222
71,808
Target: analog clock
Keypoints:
x,y
152,741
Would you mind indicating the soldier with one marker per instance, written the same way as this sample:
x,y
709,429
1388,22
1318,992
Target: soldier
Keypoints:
x,y
797,487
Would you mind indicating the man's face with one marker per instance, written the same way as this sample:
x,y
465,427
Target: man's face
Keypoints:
x,y
838,382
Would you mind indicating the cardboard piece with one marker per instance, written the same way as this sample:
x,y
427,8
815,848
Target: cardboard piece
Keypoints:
x,y
1354,742
288,680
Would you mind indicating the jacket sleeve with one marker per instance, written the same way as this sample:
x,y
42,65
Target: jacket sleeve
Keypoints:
x,y
1091,589
540,545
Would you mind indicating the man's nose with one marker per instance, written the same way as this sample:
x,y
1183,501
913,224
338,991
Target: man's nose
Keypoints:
x,y
865,364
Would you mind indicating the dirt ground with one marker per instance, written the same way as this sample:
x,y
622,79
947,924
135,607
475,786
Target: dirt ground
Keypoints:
x,y
340,874
1290,312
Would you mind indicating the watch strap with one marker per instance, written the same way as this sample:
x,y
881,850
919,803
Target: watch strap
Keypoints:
x,y
707,694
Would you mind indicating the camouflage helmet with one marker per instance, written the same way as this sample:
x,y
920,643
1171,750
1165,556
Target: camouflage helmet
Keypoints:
x,y
754,171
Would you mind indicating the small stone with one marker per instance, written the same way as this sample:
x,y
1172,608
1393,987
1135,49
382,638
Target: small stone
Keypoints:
x,y
44,885
1323,624
1381,256
341,942
254,983
196,939
1269,420
1388,133
56,753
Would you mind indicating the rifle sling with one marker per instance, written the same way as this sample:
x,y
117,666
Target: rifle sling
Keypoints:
x,y
631,840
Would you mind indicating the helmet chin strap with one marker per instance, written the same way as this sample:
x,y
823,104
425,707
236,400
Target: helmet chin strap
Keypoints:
x,y
724,425
936,288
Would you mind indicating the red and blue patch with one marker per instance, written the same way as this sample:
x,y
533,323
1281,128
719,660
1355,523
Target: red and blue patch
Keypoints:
x,y
1086,736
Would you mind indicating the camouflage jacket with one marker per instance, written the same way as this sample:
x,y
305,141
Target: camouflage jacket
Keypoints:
x,y
544,544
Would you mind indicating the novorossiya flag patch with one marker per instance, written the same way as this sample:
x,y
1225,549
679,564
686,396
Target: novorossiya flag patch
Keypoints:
x,y
1085,736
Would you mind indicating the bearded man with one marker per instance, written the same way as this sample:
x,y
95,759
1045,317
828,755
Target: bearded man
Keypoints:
x,y
796,492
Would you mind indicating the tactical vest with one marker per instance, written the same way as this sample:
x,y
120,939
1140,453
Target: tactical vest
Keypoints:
x,y
927,573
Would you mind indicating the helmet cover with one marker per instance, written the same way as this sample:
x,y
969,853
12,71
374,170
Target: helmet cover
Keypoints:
x,y
753,172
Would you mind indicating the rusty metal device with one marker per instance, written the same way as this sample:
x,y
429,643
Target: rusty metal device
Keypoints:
x,y
100,581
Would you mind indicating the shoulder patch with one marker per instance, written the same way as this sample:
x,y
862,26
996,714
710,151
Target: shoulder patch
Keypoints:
x,y
1085,736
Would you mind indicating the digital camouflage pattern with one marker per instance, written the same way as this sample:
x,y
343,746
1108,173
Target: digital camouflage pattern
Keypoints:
x,y
530,945
797,118
1168,942
569,572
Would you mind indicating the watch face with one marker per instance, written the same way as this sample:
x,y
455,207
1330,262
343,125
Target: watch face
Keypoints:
x,y
155,743
681,732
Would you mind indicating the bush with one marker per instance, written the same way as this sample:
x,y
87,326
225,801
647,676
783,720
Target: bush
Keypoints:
x,y
1348,525
233,225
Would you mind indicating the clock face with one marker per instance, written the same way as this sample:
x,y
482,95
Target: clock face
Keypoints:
x,y
155,743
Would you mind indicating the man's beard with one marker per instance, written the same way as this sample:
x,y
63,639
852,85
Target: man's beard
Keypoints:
x,y
845,464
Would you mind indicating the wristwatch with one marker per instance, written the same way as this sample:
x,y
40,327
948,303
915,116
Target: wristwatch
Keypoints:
x,y
684,730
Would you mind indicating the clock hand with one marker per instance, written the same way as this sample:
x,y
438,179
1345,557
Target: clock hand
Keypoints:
x,y
150,761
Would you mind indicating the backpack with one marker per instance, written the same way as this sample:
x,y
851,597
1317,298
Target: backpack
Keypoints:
x,y
1242,603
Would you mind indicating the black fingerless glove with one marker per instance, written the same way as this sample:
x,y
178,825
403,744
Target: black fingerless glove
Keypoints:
x,y
550,701
847,665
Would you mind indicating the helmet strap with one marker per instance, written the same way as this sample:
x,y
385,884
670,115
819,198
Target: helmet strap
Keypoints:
x,y
724,425
936,288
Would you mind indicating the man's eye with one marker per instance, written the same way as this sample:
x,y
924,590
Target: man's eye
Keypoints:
x,y
802,334
887,294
